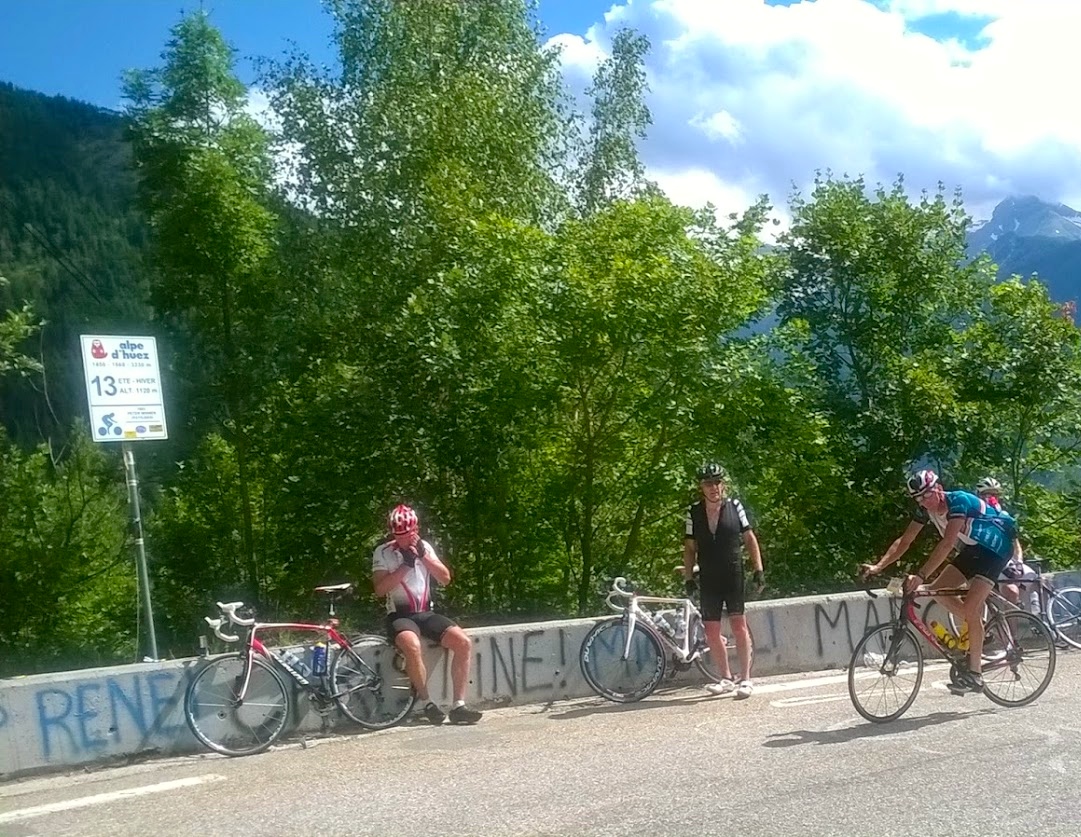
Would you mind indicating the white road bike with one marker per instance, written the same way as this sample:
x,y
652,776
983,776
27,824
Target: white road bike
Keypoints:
x,y
624,658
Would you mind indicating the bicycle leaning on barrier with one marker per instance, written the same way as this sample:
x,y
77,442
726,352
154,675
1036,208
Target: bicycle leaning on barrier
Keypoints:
x,y
1018,659
624,658
239,704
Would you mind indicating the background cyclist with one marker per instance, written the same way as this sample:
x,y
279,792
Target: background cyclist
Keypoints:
x,y
1017,571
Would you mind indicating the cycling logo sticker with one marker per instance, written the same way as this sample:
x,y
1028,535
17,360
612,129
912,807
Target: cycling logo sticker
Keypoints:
x,y
109,425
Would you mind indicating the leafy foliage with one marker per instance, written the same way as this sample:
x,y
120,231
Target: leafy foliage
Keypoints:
x,y
436,283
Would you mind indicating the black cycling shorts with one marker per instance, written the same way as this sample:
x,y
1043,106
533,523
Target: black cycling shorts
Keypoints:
x,y
975,561
721,593
427,624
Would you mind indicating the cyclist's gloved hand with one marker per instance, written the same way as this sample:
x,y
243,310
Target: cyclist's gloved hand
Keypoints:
x,y
759,580
690,587
410,556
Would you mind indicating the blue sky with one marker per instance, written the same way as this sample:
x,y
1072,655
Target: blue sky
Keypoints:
x,y
79,48
748,97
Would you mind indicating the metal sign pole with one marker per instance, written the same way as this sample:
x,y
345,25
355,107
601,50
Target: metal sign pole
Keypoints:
x,y
137,532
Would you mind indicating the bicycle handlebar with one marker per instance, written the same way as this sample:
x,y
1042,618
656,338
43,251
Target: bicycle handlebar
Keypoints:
x,y
618,589
230,610
215,625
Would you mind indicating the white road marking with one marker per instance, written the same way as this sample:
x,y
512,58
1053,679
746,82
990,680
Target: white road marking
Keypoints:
x,y
793,685
806,701
105,798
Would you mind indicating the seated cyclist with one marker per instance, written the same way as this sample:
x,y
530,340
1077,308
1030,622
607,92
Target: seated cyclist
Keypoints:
x,y
987,538
1017,571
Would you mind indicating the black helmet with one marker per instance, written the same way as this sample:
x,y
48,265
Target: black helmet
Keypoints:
x,y
711,472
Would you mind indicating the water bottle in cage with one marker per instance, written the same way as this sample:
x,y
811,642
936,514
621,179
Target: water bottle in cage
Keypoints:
x,y
662,623
681,626
319,659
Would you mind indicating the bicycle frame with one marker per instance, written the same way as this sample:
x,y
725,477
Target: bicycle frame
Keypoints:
x,y
910,615
635,614
253,645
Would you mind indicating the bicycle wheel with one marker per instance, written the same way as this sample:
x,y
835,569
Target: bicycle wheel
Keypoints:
x,y
1063,614
230,726
1019,658
613,676
886,665
370,683
705,662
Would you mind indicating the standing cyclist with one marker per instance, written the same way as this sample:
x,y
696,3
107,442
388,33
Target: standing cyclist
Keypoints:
x,y
715,529
987,537
402,570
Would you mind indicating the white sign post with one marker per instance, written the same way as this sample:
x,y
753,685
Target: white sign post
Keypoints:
x,y
123,391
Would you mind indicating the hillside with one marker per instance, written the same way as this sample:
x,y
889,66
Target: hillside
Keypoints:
x,y
70,241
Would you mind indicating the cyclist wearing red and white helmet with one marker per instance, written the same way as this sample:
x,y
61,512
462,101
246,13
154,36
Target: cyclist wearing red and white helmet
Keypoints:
x,y
987,539
1016,571
403,569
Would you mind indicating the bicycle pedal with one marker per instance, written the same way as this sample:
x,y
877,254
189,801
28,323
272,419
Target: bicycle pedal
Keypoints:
x,y
956,691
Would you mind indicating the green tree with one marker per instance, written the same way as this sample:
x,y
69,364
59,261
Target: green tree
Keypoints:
x,y
874,304
204,175
643,295
1019,371
611,167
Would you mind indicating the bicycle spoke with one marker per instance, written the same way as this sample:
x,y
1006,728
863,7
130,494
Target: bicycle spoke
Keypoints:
x,y
1020,654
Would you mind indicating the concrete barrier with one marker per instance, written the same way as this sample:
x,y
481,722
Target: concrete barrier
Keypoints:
x,y
67,719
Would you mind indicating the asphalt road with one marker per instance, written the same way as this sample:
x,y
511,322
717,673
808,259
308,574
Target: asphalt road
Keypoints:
x,y
794,759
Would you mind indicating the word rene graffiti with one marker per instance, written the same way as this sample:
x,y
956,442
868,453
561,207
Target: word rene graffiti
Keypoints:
x,y
94,715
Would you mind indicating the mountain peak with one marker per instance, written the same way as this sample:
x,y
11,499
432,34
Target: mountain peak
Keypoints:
x,y
1026,216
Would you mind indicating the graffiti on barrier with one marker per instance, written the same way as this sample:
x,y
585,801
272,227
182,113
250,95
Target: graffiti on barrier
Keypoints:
x,y
95,715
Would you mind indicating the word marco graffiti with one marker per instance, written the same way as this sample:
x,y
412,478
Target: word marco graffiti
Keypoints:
x,y
840,631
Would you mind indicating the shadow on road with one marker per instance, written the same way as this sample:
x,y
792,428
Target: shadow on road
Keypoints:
x,y
867,730
652,702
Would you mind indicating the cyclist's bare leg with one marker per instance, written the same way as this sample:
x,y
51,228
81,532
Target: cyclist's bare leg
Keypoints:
x,y
950,578
978,590
743,643
717,648
460,646
409,644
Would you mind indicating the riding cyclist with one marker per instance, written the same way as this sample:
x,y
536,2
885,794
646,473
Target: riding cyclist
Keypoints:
x,y
987,538
1017,571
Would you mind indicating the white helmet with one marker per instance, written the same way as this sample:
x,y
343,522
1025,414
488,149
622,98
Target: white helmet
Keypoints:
x,y
988,485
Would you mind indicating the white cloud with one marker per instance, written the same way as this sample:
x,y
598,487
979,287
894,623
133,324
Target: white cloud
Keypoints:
x,y
748,97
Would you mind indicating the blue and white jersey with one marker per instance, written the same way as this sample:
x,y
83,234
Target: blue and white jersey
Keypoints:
x,y
984,525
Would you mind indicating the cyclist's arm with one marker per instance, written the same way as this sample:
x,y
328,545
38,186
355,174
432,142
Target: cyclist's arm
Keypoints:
x,y
440,572
942,551
690,555
751,542
383,582
898,548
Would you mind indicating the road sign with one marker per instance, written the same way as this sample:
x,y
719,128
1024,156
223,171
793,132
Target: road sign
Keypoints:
x,y
123,388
